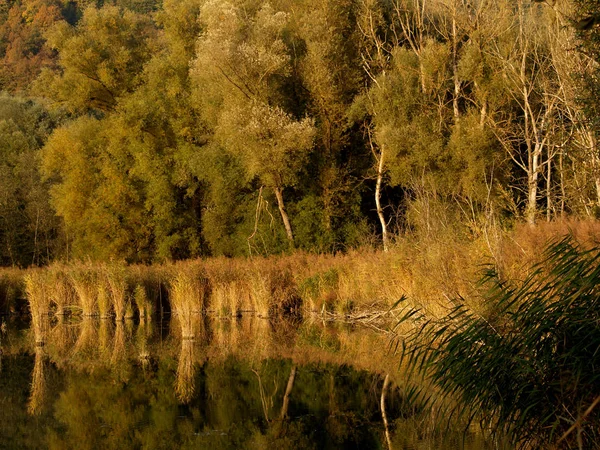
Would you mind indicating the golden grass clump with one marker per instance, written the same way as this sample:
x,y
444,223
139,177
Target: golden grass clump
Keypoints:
x,y
115,281
229,295
271,286
60,288
188,293
36,282
143,303
104,301
284,292
520,248
151,282
259,289
84,279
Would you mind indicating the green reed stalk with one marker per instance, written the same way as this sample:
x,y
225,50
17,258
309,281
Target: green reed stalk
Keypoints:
x,y
528,368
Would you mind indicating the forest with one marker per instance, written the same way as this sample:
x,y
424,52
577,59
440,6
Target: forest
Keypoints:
x,y
148,131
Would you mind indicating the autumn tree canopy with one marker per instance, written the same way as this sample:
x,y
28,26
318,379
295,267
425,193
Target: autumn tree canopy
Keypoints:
x,y
150,130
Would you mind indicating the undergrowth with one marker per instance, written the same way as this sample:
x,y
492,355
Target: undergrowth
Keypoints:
x,y
526,368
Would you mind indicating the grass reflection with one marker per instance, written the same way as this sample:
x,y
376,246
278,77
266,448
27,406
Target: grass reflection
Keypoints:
x,y
241,383
38,382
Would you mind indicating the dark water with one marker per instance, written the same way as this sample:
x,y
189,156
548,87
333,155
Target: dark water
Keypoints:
x,y
240,384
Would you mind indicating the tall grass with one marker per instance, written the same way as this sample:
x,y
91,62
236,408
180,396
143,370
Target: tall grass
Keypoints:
x,y
85,280
36,289
143,303
431,269
189,290
115,277
528,366
60,289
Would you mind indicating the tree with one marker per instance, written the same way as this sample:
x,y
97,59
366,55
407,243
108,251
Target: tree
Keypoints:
x,y
101,59
22,43
29,232
240,70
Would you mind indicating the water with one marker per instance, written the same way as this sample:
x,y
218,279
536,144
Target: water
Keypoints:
x,y
247,383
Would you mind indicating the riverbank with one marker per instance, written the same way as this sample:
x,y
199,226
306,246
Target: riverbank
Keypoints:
x,y
358,285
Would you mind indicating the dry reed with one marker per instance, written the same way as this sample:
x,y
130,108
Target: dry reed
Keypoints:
x,y
39,303
188,293
60,289
143,303
84,279
115,278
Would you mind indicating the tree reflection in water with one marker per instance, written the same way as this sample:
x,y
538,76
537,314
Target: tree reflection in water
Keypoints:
x,y
251,383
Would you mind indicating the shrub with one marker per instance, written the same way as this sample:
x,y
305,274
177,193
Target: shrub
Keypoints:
x,y
528,367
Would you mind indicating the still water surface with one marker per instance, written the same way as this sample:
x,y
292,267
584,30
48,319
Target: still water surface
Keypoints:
x,y
246,383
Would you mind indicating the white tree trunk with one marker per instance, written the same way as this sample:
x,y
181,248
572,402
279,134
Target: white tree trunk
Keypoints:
x,y
386,384
284,216
384,232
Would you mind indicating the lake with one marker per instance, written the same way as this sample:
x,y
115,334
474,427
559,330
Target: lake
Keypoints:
x,y
241,383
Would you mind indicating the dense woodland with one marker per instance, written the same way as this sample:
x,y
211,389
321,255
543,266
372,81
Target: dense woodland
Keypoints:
x,y
144,131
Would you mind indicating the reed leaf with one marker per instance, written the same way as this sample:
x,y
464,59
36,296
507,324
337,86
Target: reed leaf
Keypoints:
x,y
530,361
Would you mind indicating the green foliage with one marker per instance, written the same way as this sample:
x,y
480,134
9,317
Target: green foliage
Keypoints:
x,y
101,58
28,225
200,120
526,366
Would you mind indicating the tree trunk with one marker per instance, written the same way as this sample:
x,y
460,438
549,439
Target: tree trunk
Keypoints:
x,y
288,392
284,216
386,384
384,232
455,78
532,188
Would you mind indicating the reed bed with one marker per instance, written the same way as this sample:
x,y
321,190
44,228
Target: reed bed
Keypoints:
x,y
430,270
143,303
228,288
61,291
188,292
36,288
115,280
85,280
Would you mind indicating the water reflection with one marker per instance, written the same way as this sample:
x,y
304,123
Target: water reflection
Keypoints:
x,y
38,382
186,372
250,383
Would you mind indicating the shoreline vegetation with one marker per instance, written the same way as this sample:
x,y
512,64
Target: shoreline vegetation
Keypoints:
x,y
445,312
358,286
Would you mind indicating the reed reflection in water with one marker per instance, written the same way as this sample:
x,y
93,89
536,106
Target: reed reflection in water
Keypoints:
x,y
247,383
